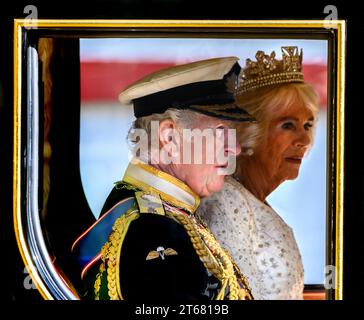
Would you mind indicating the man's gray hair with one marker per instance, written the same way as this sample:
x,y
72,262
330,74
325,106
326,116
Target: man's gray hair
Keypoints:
x,y
185,119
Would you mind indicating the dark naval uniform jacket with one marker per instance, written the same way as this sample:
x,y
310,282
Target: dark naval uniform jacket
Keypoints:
x,y
138,250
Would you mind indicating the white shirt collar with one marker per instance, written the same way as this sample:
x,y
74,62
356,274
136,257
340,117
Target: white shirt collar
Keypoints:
x,y
170,189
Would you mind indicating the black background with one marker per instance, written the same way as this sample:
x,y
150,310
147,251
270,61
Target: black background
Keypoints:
x,y
12,275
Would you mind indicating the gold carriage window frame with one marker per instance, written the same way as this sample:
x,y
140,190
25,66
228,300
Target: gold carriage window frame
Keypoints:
x,y
24,219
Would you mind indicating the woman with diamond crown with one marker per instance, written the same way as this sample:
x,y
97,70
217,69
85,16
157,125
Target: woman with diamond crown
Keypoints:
x,y
260,242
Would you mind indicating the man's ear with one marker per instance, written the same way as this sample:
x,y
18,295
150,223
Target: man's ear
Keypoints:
x,y
167,131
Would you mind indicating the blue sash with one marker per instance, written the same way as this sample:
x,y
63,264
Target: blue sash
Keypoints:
x,y
88,246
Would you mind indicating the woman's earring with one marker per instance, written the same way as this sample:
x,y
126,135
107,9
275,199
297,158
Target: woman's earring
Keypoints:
x,y
249,152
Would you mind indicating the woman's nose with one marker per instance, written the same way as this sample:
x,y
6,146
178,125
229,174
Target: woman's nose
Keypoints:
x,y
304,139
237,148
232,147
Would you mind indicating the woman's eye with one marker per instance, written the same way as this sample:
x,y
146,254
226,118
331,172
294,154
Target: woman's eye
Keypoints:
x,y
288,125
308,126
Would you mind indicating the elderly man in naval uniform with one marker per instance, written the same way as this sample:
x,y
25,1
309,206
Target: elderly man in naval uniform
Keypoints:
x,y
147,244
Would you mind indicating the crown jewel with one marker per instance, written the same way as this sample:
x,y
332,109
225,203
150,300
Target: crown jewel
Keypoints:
x,y
267,70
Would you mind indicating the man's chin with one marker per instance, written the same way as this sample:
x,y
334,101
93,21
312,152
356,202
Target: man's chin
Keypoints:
x,y
215,188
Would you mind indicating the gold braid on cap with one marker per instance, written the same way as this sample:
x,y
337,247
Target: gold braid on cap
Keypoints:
x,y
267,70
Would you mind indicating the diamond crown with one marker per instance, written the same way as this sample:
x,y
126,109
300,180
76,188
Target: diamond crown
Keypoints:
x,y
267,70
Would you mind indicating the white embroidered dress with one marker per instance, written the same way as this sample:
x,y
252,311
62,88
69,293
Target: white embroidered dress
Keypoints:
x,y
260,242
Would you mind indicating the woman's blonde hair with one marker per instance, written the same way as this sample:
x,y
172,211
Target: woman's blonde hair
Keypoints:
x,y
262,103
